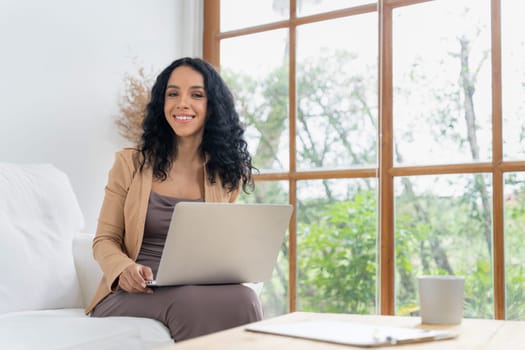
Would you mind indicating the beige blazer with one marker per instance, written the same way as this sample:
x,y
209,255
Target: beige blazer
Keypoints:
x,y
121,221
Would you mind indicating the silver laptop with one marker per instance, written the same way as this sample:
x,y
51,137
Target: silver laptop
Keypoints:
x,y
216,243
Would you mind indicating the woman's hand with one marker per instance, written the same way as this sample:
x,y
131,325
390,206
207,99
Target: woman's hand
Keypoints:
x,y
133,279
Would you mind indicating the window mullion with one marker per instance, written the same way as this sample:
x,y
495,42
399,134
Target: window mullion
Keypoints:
x,y
386,183
497,158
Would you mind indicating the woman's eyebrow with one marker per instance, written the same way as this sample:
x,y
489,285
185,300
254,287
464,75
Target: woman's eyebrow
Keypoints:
x,y
191,87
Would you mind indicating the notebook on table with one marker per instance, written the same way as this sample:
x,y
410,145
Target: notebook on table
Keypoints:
x,y
351,333
219,243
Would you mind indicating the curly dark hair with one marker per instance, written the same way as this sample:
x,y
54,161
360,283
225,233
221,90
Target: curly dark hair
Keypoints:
x,y
223,142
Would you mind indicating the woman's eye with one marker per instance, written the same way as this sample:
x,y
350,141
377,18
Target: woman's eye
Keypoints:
x,y
198,95
172,94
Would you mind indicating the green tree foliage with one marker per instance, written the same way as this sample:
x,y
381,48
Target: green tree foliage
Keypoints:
x,y
337,256
515,249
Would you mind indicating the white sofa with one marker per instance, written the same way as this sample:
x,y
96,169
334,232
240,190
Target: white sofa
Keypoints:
x,y
48,273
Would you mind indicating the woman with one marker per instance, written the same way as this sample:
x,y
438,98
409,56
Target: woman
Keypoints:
x,y
191,149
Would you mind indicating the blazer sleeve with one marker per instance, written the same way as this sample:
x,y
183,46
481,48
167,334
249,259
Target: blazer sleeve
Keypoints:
x,y
108,243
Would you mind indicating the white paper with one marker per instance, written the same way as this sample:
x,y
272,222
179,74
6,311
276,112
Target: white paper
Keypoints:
x,y
351,333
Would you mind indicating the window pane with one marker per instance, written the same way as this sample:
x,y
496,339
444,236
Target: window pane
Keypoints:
x,y
514,247
444,226
336,245
309,7
442,87
258,78
337,93
236,14
513,78
274,293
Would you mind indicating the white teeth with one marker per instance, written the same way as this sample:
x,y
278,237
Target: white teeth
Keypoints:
x,y
183,117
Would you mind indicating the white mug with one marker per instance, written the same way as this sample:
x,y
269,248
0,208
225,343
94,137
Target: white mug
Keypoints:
x,y
441,299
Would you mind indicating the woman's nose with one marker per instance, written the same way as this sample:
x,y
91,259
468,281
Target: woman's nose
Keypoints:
x,y
183,101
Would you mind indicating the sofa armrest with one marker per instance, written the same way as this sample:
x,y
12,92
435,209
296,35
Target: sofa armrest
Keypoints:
x,y
88,270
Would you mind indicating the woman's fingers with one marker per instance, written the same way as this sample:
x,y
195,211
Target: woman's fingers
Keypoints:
x,y
132,279
146,273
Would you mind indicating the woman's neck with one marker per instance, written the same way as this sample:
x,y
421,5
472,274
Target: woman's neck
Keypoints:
x,y
189,153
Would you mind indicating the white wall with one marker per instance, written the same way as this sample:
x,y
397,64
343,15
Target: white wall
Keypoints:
x,y
61,68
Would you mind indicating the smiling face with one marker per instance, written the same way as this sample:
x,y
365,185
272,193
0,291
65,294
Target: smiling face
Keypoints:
x,y
185,103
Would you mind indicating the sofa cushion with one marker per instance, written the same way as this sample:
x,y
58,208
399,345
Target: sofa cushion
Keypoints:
x,y
71,329
88,271
39,215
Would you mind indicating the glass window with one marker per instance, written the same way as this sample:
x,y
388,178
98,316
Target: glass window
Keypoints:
x,y
312,7
513,78
259,79
436,119
514,200
444,227
442,87
337,245
337,93
236,14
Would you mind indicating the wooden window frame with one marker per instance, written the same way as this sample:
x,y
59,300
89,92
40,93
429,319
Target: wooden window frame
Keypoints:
x,y
386,171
